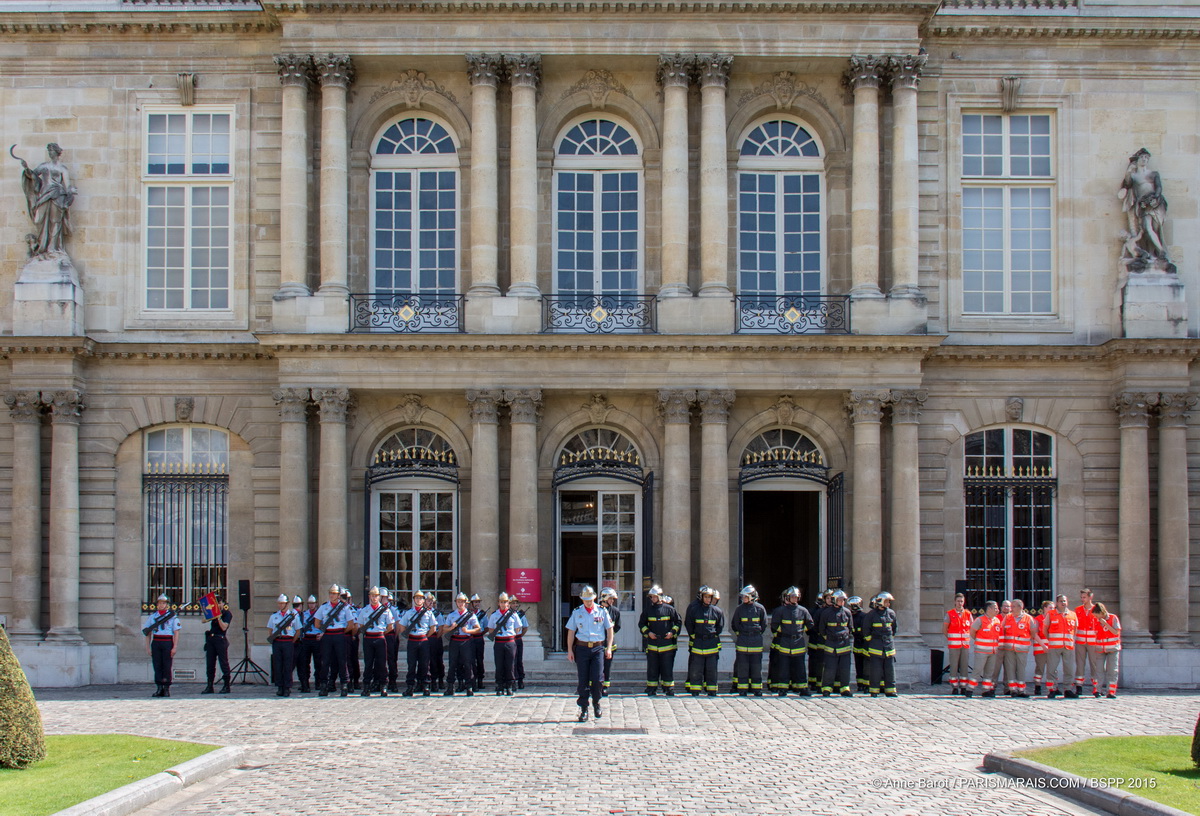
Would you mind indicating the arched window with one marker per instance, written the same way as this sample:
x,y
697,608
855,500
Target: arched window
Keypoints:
x,y
597,210
186,485
414,209
414,499
1009,483
781,214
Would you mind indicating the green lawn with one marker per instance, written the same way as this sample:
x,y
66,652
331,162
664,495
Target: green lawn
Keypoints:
x,y
1164,762
77,768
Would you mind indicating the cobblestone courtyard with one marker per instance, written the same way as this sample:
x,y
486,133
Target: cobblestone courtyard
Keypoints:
x,y
915,755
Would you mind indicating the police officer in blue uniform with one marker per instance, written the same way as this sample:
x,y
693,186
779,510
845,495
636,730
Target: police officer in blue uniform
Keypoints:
x,y
333,618
589,641
281,634
308,646
216,650
417,624
374,622
502,626
161,628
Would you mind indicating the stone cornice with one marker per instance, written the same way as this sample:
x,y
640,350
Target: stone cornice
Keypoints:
x,y
1114,351
923,8
1026,27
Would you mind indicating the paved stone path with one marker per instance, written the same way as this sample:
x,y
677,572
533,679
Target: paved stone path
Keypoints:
x,y
916,755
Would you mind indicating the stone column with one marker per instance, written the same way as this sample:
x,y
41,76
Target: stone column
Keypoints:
x,y
293,491
714,176
335,73
485,494
714,491
1174,567
866,562
484,71
675,407
333,564
675,75
905,74
25,614
295,73
1133,518
906,511
65,409
864,78
524,75
525,408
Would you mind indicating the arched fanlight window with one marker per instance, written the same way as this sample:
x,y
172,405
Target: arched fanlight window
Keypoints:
x,y
599,452
415,452
782,452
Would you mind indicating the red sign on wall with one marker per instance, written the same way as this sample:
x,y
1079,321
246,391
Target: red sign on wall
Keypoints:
x,y
526,584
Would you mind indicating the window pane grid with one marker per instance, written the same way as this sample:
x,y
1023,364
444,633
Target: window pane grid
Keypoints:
x,y
187,247
182,144
416,231
416,541
779,234
598,232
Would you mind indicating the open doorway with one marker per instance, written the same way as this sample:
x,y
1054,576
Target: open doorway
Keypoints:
x,y
781,543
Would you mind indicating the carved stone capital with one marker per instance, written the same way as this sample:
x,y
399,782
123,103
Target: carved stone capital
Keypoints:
x,y
714,405
713,69
412,409
675,406
906,406
334,70
865,72
24,406
335,403
524,405
293,404
1133,408
867,406
598,408
484,69
524,70
675,70
1173,409
295,69
905,71
484,405
65,406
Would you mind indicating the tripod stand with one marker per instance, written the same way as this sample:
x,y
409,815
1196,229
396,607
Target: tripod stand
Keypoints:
x,y
246,666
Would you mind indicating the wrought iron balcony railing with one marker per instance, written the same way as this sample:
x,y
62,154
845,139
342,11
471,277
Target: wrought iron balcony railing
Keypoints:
x,y
792,314
600,314
406,312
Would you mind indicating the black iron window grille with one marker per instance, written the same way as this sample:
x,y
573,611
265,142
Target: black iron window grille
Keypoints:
x,y
792,314
414,460
187,528
600,314
406,313
599,461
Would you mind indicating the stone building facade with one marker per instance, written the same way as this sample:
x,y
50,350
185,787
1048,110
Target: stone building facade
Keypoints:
x,y
425,294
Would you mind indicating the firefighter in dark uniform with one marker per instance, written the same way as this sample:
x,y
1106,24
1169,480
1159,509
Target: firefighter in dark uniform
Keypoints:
x,y
834,625
216,649
880,625
481,615
660,625
860,642
704,622
308,647
608,600
791,625
816,643
748,624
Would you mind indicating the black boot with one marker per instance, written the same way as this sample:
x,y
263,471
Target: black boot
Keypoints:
x,y
225,685
158,690
670,692
209,688
304,689
596,709
583,714
408,691
167,690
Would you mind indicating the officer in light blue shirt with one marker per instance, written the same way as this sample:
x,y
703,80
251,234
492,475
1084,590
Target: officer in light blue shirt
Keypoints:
x,y
503,626
589,641
418,623
332,618
374,622
161,628
282,628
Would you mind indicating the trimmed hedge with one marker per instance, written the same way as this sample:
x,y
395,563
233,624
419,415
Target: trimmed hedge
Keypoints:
x,y
22,741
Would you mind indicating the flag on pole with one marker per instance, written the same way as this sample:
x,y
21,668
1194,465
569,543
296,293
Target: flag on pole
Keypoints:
x,y
209,606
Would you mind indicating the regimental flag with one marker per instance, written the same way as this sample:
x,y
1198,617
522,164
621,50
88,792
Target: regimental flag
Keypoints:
x,y
209,606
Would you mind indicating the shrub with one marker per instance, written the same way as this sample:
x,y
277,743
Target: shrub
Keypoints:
x,y
22,741
1196,743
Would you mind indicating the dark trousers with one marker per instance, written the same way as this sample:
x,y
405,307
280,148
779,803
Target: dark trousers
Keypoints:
x,y
519,663
589,662
790,671
835,671
352,658
477,652
860,670
375,658
702,672
505,655
418,665
216,649
608,659
462,665
883,674
334,650
308,660
747,671
660,669
437,659
816,666
283,656
160,657
392,643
